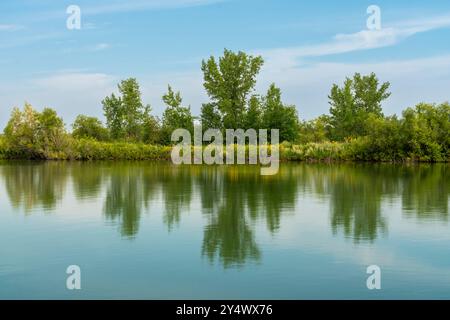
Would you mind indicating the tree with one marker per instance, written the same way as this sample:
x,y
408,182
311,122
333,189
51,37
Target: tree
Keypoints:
x,y
316,130
113,110
151,129
252,118
210,117
35,134
175,116
89,127
425,131
352,104
125,115
51,132
21,130
229,82
133,108
276,115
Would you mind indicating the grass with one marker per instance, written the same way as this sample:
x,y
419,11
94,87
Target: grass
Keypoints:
x,y
87,149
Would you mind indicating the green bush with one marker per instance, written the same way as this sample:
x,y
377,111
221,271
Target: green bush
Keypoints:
x,y
3,148
88,149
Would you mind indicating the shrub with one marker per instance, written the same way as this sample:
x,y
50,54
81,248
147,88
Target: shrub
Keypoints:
x,y
89,127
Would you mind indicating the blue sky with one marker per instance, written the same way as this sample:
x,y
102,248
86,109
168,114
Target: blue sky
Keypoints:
x,y
307,46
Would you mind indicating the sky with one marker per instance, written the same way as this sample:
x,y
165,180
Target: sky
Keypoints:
x,y
307,46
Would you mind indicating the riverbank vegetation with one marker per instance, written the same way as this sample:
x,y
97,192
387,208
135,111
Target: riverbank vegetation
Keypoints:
x,y
355,129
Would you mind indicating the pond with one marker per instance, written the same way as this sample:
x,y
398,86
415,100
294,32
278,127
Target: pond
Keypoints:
x,y
146,230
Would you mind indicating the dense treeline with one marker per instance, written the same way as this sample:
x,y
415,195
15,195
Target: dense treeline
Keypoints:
x,y
355,128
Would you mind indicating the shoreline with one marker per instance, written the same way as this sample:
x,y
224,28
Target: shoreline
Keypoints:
x,y
327,152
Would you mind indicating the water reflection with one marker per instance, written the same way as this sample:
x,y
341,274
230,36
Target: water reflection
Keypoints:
x,y
234,200
34,185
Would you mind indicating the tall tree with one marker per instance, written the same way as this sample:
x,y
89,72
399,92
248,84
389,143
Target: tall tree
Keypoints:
x,y
253,114
276,115
133,108
175,116
352,104
113,111
210,117
125,114
228,83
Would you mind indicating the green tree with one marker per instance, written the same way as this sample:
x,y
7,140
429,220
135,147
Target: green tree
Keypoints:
x,y
316,130
125,115
352,104
133,108
20,132
151,128
276,115
175,116
228,83
252,118
89,127
34,134
113,111
210,117
425,132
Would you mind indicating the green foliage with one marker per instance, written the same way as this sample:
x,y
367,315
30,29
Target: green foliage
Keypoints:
x,y
325,151
355,130
89,127
210,117
151,129
35,135
85,149
3,147
175,116
352,105
426,132
253,118
113,111
125,115
276,115
315,131
228,83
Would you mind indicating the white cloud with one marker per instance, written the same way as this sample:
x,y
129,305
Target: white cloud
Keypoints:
x,y
74,82
412,81
101,46
10,27
70,93
282,58
75,92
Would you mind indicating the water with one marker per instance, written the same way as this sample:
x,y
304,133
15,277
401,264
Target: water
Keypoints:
x,y
156,231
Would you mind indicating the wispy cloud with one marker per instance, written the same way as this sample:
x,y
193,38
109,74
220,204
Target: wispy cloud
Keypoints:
x,y
101,47
10,27
412,81
362,40
75,81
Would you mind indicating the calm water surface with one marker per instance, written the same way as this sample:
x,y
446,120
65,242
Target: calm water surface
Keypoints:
x,y
156,231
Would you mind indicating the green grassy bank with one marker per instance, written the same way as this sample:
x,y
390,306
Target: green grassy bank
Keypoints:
x,y
361,149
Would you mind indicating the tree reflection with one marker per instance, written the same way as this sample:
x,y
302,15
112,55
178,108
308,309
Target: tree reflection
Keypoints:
x,y
176,183
129,191
425,191
233,200
356,205
87,179
33,185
